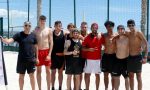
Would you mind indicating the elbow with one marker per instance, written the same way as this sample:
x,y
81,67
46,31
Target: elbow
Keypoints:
x,y
64,53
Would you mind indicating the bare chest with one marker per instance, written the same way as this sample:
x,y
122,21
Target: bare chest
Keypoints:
x,y
122,42
134,40
42,34
108,41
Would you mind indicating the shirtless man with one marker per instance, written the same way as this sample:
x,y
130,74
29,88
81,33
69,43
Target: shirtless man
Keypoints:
x,y
134,65
45,45
122,53
109,53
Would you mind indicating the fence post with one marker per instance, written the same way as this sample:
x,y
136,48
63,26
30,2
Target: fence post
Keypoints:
x,y
1,26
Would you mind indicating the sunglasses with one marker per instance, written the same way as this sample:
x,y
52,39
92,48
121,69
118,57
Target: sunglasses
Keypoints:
x,y
27,25
130,25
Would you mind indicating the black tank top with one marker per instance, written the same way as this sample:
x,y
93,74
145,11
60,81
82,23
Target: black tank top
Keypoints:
x,y
74,44
71,58
58,41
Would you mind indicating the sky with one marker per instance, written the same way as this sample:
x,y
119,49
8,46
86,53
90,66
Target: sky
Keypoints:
x,y
86,10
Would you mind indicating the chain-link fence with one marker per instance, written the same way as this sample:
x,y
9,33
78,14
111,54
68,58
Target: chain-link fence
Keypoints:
x,y
90,11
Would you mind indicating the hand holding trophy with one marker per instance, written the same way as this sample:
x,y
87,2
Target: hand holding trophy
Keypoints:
x,y
76,50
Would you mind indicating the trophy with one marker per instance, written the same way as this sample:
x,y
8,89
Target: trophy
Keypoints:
x,y
76,48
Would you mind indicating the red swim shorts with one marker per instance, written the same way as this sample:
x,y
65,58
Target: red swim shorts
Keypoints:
x,y
42,54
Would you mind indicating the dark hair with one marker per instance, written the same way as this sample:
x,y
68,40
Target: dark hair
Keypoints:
x,y
120,26
109,23
130,21
83,23
57,22
93,24
75,30
70,25
42,17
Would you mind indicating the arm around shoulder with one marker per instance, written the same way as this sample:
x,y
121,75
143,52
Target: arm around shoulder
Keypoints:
x,y
66,46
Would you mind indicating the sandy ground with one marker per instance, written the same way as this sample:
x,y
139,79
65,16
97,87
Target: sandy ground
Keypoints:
x,y
12,76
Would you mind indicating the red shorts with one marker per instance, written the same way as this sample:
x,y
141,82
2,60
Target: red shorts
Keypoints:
x,y
42,54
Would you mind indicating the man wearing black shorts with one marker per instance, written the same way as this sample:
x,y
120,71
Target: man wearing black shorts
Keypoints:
x,y
109,55
57,54
122,52
73,63
134,65
27,52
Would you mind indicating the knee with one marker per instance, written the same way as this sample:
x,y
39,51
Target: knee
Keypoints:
x,y
21,76
87,76
47,71
53,72
116,77
69,77
106,75
97,76
139,78
60,72
131,76
39,71
31,76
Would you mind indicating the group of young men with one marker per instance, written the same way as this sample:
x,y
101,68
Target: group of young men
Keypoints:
x,y
79,52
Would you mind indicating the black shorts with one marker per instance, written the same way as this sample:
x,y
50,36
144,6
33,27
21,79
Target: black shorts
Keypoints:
x,y
73,66
107,62
134,64
23,66
83,62
57,62
120,67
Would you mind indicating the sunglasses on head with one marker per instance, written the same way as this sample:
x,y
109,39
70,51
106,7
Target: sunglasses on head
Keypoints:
x,y
27,25
130,25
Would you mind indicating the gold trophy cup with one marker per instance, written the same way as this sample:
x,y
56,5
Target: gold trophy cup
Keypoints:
x,y
76,48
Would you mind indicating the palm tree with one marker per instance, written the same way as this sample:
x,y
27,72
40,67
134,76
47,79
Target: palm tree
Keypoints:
x,y
39,9
143,15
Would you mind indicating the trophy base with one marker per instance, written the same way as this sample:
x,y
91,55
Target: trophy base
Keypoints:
x,y
76,56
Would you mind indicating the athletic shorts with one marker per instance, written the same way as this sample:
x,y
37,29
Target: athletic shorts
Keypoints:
x,y
73,66
107,62
120,67
134,64
22,67
92,66
42,54
83,62
57,62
